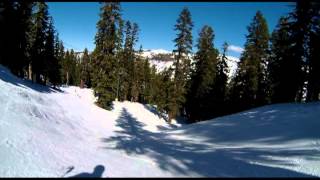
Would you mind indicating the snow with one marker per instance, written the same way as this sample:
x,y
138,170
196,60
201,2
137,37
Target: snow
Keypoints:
x,y
161,65
232,63
62,133
149,53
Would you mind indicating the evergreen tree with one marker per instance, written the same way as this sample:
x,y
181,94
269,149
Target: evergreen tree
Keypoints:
x,y
281,66
182,64
65,72
70,69
199,101
314,62
85,71
292,55
300,27
134,66
56,73
38,47
250,83
23,37
219,92
3,29
147,77
8,28
164,96
51,62
127,63
105,63
154,84
129,88
15,21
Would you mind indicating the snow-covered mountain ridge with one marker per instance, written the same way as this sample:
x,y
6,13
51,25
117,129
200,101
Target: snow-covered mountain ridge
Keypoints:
x,y
160,65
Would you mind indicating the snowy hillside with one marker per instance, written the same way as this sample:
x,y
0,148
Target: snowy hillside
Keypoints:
x,y
149,53
161,65
62,133
232,63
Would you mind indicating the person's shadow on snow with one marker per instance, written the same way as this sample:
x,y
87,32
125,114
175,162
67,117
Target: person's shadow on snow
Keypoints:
x,y
97,172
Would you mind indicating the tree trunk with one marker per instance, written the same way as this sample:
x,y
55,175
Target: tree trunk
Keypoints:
x,y
30,72
81,84
67,78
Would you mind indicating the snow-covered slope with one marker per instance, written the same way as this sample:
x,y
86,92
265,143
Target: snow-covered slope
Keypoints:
x,y
149,53
161,65
51,133
232,63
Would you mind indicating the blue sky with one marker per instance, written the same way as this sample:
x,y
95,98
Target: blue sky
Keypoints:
x,y
76,21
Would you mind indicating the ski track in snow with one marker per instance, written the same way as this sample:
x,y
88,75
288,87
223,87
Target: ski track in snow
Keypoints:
x,y
50,133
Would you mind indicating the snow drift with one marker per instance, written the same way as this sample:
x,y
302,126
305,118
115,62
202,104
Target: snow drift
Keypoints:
x,y
62,133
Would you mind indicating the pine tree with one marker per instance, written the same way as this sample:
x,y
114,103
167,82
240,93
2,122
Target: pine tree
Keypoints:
x,y
127,62
199,101
281,67
182,64
291,55
70,69
84,70
51,62
65,72
129,88
23,37
15,21
219,92
60,55
147,77
250,83
3,16
105,63
37,51
300,27
120,61
55,74
8,27
134,66
154,84
314,62
164,96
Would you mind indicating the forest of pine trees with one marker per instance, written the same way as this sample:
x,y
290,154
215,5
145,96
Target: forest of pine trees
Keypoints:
x,y
275,67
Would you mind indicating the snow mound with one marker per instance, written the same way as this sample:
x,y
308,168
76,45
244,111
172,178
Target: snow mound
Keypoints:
x,y
62,133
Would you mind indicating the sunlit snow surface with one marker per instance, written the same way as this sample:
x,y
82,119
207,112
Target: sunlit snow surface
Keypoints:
x,y
51,133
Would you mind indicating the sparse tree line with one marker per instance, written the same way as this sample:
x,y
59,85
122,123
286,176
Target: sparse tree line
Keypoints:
x,y
280,67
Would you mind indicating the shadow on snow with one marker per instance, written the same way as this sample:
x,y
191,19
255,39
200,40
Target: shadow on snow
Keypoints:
x,y
186,156
6,76
97,173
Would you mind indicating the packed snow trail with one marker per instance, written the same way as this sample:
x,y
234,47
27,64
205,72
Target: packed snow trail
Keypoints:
x,y
62,133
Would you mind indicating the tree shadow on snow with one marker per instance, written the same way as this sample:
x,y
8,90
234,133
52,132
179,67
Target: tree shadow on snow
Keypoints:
x,y
97,173
6,76
187,157
152,109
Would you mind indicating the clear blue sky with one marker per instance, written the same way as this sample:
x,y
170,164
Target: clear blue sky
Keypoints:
x,y
76,21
